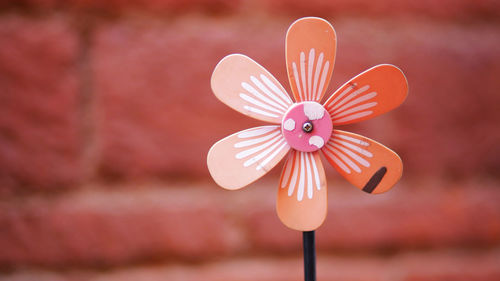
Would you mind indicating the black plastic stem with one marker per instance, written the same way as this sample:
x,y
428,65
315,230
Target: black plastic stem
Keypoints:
x,y
309,256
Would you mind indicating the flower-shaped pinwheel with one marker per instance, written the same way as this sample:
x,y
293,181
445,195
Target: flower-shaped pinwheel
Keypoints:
x,y
305,127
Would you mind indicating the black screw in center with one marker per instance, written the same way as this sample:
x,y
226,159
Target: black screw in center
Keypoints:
x,y
307,127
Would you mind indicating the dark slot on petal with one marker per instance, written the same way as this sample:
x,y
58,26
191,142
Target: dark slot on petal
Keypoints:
x,y
375,180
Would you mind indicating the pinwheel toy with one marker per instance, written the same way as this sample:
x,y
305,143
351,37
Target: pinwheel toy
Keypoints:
x,y
303,128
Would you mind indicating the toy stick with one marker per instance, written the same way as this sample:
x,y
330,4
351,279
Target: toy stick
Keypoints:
x,y
309,255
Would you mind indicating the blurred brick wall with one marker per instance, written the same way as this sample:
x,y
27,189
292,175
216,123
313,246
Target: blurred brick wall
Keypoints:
x,y
101,180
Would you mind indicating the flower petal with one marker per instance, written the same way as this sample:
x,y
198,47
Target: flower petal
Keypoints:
x,y
247,87
302,202
311,44
371,93
244,157
365,163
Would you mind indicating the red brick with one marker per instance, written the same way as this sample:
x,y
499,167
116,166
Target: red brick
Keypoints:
x,y
39,110
447,9
98,227
137,223
159,117
430,266
121,6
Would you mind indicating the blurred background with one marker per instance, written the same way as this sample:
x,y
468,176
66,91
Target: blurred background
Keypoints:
x,y
106,118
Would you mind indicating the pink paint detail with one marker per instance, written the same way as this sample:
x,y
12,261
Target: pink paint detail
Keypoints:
x,y
298,138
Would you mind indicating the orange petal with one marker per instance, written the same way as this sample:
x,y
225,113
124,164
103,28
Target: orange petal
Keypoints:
x,y
365,163
244,157
247,87
311,44
371,93
302,201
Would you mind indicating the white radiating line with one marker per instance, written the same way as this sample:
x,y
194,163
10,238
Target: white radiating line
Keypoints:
x,y
258,111
303,74
352,117
323,78
309,176
310,67
288,169
351,139
319,64
295,174
248,152
258,103
344,92
355,101
351,96
345,159
257,94
255,141
355,109
353,155
355,148
257,131
261,104
263,154
271,157
300,189
296,76
275,89
316,175
268,93
337,161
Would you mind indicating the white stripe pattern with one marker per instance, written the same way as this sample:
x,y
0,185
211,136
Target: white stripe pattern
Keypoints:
x,y
355,109
348,153
352,117
255,141
260,146
301,175
258,103
256,132
356,101
276,90
267,92
264,97
351,105
310,87
258,111
340,102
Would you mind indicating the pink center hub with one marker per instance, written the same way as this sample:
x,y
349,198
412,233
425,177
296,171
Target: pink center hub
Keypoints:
x,y
307,126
